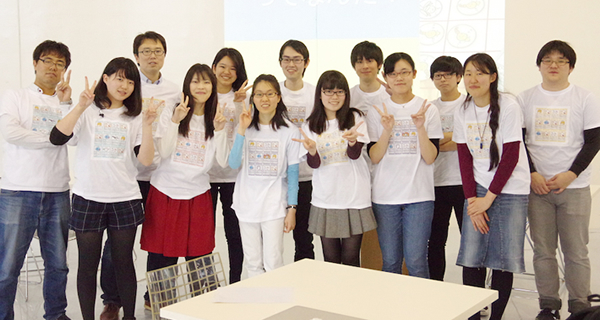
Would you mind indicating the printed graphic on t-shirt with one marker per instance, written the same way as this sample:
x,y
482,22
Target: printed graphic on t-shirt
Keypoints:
x,y
551,125
404,138
332,148
479,137
45,118
160,106
229,114
191,150
447,123
263,157
297,115
110,139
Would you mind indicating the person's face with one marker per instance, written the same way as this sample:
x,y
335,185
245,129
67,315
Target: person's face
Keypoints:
x,y
201,88
477,82
333,100
551,69
401,79
293,64
446,82
118,87
265,98
48,69
151,56
366,69
225,72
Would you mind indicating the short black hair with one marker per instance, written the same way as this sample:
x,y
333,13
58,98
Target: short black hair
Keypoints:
x,y
390,61
367,50
299,47
559,46
445,64
137,42
52,47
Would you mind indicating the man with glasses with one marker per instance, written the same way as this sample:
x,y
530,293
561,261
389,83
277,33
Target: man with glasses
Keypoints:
x,y
446,73
299,98
149,49
562,123
35,184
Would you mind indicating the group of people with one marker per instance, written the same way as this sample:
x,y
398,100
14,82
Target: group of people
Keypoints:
x,y
285,156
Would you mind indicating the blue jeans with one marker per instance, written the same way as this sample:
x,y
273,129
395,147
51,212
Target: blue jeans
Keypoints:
x,y
404,231
21,213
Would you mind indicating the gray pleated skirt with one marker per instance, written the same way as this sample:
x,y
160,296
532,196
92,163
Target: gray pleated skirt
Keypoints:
x,y
340,223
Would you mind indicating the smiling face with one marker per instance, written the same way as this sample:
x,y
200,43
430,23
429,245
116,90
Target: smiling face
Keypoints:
x,y
293,71
333,100
226,74
152,63
201,88
118,88
477,82
366,69
401,79
47,76
262,102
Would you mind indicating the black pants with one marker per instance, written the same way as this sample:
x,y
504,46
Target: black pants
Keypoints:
x,y
303,239
446,198
224,191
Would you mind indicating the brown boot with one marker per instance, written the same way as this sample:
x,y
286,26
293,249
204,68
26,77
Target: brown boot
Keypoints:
x,y
110,312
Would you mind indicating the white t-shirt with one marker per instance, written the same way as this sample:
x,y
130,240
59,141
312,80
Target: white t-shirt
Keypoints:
x,y
183,171
31,162
232,114
165,94
299,104
339,182
555,121
104,167
446,169
364,101
471,126
402,176
260,192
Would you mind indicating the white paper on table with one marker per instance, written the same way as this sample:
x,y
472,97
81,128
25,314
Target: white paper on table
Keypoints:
x,y
254,295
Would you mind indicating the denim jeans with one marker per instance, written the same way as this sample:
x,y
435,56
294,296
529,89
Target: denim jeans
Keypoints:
x,y
21,213
502,247
404,231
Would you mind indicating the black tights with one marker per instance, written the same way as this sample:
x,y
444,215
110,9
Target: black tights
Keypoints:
x,y
501,281
90,247
342,250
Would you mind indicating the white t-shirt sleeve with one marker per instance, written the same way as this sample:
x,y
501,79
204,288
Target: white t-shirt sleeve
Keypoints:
x,y
511,120
10,125
362,129
591,113
433,123
373,125
293,148
458,135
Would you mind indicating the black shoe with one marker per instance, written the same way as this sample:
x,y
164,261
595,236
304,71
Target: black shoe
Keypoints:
x,y
63,317
548,314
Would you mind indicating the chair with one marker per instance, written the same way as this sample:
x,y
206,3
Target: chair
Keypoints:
x,y
38,267
184,280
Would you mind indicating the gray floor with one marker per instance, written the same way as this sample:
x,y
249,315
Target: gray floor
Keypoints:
x,y
522,305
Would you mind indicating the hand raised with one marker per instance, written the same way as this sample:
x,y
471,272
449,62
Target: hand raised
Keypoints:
x,y
220,120
240,95
419,117
63,89
309,144
386,86
352,135
387,120
150,114
87,96
245,119
181,110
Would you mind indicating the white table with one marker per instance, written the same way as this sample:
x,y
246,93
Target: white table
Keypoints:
x,y
352,291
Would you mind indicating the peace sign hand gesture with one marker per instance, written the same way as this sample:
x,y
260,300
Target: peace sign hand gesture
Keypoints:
x,y
63,89
419,117
181,110
352,135
87,96
240,95
150,114
309,145
220,120
385,85
245,119
387,120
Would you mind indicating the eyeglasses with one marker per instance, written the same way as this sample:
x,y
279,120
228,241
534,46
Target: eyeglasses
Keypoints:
x,y
403,74
269,95
49,63
330,93
157,52
559,62
296,60
447,75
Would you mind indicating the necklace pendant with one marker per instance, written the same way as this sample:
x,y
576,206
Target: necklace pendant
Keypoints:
x,y
481,145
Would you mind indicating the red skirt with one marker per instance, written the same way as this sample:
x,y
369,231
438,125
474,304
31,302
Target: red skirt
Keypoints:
x,y
178,228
